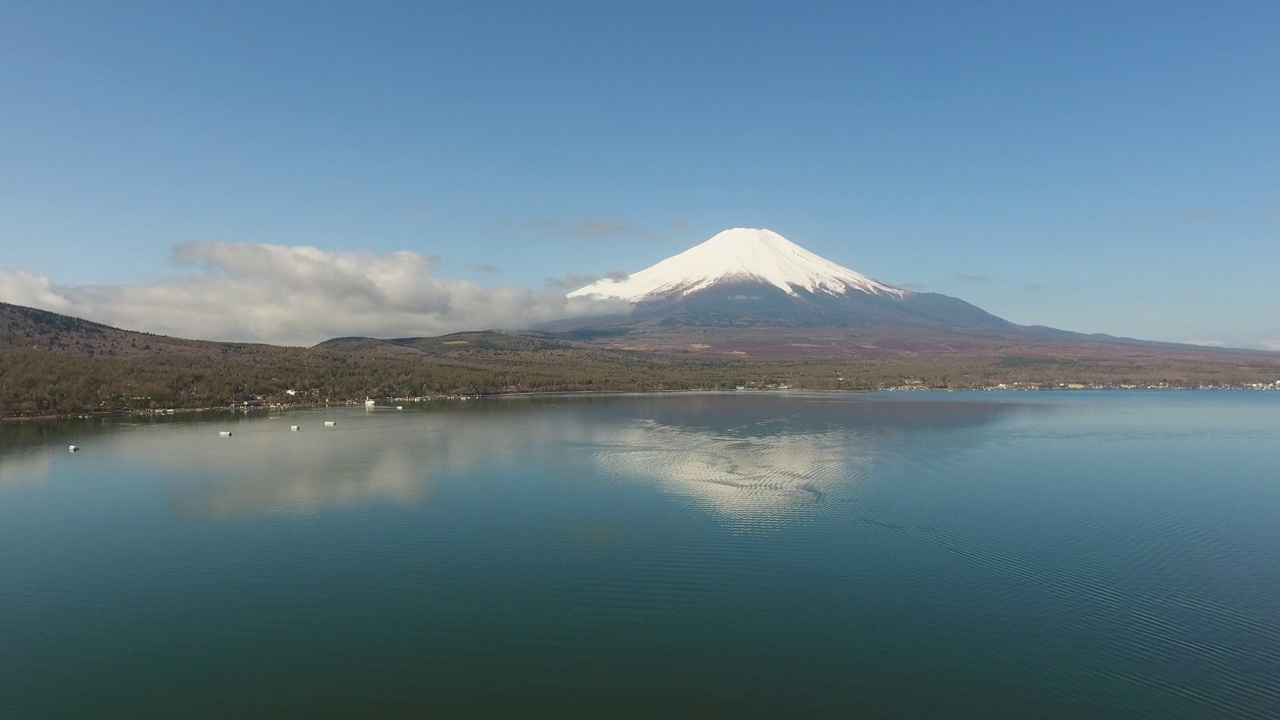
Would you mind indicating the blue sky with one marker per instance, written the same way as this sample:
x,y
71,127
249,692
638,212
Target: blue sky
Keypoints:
x,y
1102,167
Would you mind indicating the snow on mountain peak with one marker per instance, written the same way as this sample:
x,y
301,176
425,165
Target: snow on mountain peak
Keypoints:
x,y
739,255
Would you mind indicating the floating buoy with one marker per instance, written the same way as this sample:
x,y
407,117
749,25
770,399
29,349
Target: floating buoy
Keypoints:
x,y
224,433
73,448
293,428
329,423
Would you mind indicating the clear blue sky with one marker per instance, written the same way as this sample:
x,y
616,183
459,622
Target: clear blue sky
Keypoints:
x,y
1102,167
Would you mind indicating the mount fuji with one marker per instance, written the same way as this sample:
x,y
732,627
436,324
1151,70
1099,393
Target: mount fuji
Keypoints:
x,y
740,256
756,287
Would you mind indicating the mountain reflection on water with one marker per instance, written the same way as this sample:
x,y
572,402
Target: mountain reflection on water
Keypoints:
x,y
740,459
737,457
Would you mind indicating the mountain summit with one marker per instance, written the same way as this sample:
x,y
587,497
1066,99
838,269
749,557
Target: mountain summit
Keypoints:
x,y
739,256
748,287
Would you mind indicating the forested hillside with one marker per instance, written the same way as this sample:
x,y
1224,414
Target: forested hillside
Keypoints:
x,y
51,364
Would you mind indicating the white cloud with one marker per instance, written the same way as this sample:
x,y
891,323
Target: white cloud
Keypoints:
x,y
1207,343
1273,345
23,288
299,295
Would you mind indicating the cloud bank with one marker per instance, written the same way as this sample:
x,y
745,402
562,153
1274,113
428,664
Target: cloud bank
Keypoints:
x,y
299,295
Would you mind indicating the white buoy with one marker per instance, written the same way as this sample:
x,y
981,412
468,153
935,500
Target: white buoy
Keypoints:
x,y
293,428
73,448
224,433
329,423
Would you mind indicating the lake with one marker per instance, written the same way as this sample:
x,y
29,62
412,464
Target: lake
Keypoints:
x,y
948,555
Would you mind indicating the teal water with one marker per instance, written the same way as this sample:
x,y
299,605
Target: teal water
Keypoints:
x,y
1091,555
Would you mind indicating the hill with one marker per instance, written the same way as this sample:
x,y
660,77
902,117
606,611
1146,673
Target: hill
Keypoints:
x,y
52,364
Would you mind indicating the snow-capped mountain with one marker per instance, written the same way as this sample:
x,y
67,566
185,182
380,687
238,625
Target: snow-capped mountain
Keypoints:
x,y
752,282
739,256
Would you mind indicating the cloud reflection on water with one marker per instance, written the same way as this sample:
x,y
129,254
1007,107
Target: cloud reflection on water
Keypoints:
x,y
25,469
758,459
304,481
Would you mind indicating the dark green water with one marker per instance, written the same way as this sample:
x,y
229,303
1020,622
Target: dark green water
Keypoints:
x,y
1086,555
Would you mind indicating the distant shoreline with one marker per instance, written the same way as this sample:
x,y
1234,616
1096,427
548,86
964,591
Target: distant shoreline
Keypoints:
x,y
582,393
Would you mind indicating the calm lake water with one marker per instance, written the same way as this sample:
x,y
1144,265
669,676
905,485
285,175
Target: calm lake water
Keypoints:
x,y
1041,555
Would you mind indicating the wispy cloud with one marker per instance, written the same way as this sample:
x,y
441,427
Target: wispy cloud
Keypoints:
x,y
584,230
486,269
1207,343
974,278
1273,345
573,281
1197,214
298,295
598,229
1033,287
413,209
